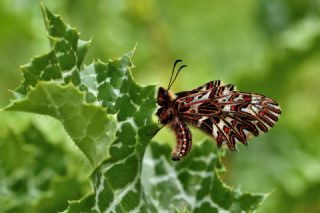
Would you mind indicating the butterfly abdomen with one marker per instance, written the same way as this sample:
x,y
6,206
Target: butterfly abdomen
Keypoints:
x,y
183,137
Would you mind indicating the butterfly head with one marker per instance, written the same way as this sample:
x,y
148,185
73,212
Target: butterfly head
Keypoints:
x,y
165,98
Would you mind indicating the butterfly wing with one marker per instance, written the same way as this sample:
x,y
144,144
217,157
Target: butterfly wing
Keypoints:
x,y
207,86
226,114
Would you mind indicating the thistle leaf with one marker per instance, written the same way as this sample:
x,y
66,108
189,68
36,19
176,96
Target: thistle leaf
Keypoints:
x,y
193,184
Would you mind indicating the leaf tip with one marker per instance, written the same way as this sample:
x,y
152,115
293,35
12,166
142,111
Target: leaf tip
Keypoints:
x,y
267,194
44,10
22,67
42,5
131,52
135,46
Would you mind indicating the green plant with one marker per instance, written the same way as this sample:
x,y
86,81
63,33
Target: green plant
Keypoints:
x,y
109,118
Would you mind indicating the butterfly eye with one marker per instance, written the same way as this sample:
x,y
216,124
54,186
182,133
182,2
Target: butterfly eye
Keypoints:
x,y
159,112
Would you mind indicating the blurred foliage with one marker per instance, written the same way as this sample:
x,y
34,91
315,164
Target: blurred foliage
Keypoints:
x,y
269,47
35,174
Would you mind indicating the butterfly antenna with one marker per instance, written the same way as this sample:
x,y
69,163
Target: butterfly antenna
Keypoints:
x,y
174,66
176,75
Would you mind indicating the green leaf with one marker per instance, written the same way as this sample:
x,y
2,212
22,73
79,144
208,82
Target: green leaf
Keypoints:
x,y
88,125
117,184
89,118
43,91
193,183
107,85
63,62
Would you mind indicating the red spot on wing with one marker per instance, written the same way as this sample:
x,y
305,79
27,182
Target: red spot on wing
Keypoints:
x,y
189,99
247,98
213,92
219,139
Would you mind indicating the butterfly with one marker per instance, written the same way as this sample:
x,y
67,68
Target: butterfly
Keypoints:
x,y
219,110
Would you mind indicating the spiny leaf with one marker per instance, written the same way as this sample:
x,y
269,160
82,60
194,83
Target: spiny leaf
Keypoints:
x,y
105,84
109,85
194,183
62,64
117,184
88,125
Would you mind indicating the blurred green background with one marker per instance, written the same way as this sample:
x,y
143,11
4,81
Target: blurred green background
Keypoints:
x,y
269,46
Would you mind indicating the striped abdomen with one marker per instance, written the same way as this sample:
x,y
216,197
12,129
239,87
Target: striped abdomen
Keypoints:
x,y
184,139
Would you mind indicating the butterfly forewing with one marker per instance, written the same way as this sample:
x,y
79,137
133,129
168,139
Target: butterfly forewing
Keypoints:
x,y
226,114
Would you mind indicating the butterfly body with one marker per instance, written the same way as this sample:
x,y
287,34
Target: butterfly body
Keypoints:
x,y
168,114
